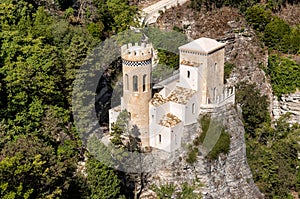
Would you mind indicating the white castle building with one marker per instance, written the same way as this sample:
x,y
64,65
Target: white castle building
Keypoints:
x,y
198,88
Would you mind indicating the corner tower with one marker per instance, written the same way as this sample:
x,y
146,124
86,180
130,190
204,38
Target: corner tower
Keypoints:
x,y
202,68
137,67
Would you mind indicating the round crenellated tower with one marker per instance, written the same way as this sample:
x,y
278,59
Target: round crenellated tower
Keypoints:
x,y
137,67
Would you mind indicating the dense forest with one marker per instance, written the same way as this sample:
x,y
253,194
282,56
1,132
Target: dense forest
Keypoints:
x,y
43,43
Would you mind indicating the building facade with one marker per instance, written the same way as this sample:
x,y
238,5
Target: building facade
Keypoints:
x,y
198,88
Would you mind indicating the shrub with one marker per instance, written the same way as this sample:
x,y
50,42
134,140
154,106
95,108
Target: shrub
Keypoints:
x,y
192,154
227,70
222,146
275,32
254,106
284,74
258,17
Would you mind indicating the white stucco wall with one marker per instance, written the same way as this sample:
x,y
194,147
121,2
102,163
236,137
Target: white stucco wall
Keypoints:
x,y
189,82
189,116
168,88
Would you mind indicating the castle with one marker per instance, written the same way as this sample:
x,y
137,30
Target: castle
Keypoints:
x,y
198,88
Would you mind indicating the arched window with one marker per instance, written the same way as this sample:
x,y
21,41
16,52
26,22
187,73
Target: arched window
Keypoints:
x,y
214,93
126,82
193,108
144,82
188,74
215,67
135,83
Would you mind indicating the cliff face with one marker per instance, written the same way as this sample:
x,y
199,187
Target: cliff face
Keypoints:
x,y
230,175
243,48
227,177
287,104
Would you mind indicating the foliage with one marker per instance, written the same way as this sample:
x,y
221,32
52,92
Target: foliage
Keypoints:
x,y
116,15
272,157
204,122
164,191
258,17
222,146
284,75
103,181
254,106
274,33
228,67
188,192
290,41
29,168
168,191
192,154
168,59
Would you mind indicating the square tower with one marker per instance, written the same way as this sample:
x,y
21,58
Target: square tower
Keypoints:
x,y
202,68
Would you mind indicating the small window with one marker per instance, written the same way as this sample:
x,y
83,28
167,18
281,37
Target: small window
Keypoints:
x,y
159,138
193,108
188,74
126,82
144,82
135,83
215,67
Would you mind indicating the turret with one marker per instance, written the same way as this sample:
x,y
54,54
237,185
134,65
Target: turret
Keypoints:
x,y
137,66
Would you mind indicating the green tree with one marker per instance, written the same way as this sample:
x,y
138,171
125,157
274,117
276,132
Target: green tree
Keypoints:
x,y
254,106
102,180
284,75
272,157
290,41
258,17
30,167
274,33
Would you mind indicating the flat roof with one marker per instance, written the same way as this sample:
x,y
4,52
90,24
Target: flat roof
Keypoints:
x,y
203,44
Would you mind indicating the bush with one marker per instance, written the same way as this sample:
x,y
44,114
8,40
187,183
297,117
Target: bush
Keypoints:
x,y
222,146
192,154
275,32
284,74
254,106
227,70
258,17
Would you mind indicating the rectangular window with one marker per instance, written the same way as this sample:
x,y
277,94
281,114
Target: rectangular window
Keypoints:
x,y
159,138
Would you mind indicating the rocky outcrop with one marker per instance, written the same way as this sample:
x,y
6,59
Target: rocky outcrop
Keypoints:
x,y
289,103
227,25
227,177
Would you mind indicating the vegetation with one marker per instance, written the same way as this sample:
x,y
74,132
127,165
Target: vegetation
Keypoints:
x,y
222,146
210,131
272,156
41,49
168,191
284,74
271,152
228,67
255,112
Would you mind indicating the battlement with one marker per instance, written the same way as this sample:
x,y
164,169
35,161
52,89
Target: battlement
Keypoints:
x,y
136,52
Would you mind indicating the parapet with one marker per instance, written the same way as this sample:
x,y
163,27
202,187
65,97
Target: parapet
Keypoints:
x,y
136,53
